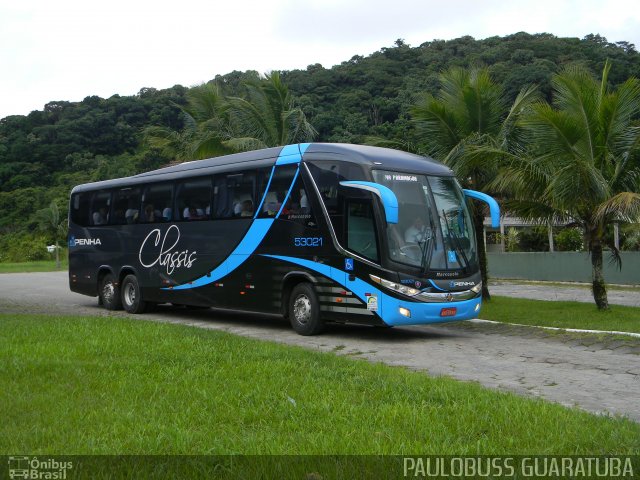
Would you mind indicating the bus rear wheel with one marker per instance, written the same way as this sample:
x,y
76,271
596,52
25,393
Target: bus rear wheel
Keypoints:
x,y
132,295
109,293
304,310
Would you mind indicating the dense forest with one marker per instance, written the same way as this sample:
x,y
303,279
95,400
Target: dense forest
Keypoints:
x,y
44,154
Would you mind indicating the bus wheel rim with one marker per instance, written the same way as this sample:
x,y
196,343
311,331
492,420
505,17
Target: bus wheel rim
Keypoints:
x,y
302,309
130,294
108,292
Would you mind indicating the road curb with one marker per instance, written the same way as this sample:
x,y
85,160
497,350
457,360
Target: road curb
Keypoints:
x,y
577,330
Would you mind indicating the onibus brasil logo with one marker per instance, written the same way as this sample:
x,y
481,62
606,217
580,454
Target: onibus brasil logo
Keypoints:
x,y
38,468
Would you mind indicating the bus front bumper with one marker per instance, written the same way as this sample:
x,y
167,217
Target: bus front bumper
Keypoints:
x,y
400,312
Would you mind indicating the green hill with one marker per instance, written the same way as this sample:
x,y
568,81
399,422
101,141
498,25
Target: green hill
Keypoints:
x,y
45,153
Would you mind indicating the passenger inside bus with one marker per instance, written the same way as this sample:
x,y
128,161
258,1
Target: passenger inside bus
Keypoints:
x,y
131,215
247,209
118,216
101,217
417,231
150,214
193,213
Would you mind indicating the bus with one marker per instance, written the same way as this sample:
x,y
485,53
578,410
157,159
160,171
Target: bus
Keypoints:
x,y
316,232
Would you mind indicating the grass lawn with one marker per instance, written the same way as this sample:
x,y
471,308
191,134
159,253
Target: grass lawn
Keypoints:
x,y
561,314
39,266
71,385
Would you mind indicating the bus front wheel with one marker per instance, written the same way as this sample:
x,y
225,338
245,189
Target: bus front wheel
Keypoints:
x,y
131,295
304,310
109,293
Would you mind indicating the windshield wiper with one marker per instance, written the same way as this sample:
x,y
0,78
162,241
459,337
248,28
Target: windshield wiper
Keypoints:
x,y
455,241
427,253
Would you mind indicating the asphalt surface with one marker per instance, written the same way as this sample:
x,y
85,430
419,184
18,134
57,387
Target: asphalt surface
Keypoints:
x,y
627,296
598,373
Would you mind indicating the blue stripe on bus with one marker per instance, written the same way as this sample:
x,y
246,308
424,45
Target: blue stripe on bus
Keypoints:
x,y
264,196
291,154
436,286
388,306
286,198
245,248
361,288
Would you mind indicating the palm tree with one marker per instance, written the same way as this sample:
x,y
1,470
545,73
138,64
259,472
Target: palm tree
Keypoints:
x,y
267,116
468,126
206,127
216,124
49,221
584,161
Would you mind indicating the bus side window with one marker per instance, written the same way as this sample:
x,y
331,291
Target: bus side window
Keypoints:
x,y
126,206
276,199
234,195
300,207
156,203
361,230
80,209
193,200
100,208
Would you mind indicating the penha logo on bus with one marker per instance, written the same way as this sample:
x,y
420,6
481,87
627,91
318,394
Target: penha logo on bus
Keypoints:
x,y
158,249
74,242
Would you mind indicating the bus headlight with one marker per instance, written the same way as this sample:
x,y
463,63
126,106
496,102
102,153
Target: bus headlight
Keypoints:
x,y
396,287
477,288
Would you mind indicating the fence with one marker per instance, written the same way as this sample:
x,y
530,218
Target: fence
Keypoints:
x,y
562,267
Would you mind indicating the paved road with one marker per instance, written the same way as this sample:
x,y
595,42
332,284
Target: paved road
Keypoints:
x,y
629,297
597,374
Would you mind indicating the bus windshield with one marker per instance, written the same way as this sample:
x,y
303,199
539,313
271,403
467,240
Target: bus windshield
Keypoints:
x,y
434,230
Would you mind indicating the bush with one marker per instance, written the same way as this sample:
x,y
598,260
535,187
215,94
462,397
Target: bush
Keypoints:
x,y
511,239
534,240
569,240
630,237
21,247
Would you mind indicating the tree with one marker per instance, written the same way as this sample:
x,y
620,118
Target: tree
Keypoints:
x,y
216,124
49,221
584,160
267,116
467,126
206,127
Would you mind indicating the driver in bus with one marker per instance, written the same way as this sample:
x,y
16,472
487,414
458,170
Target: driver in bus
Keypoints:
x,y
417,232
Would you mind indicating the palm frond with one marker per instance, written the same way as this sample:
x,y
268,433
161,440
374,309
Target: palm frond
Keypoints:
x,y
244,144
622,206
436,124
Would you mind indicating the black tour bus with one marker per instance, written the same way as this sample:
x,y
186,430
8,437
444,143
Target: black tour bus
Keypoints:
x,y
317,232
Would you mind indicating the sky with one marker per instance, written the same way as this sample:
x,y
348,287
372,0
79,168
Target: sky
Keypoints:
x,y
70,49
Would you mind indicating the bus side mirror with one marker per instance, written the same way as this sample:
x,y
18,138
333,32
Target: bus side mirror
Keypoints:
x,y
494,208
389,199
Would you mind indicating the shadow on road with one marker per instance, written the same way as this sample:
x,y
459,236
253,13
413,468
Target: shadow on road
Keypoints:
x,y
277,324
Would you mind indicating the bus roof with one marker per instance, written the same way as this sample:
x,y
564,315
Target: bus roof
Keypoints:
x,y
372,157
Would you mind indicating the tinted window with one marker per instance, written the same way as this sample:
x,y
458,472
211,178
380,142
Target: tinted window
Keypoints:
x,y
100,207
193,200
361,230
234,195
157,204
126,206
327,176
300,210
80,203
276,200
